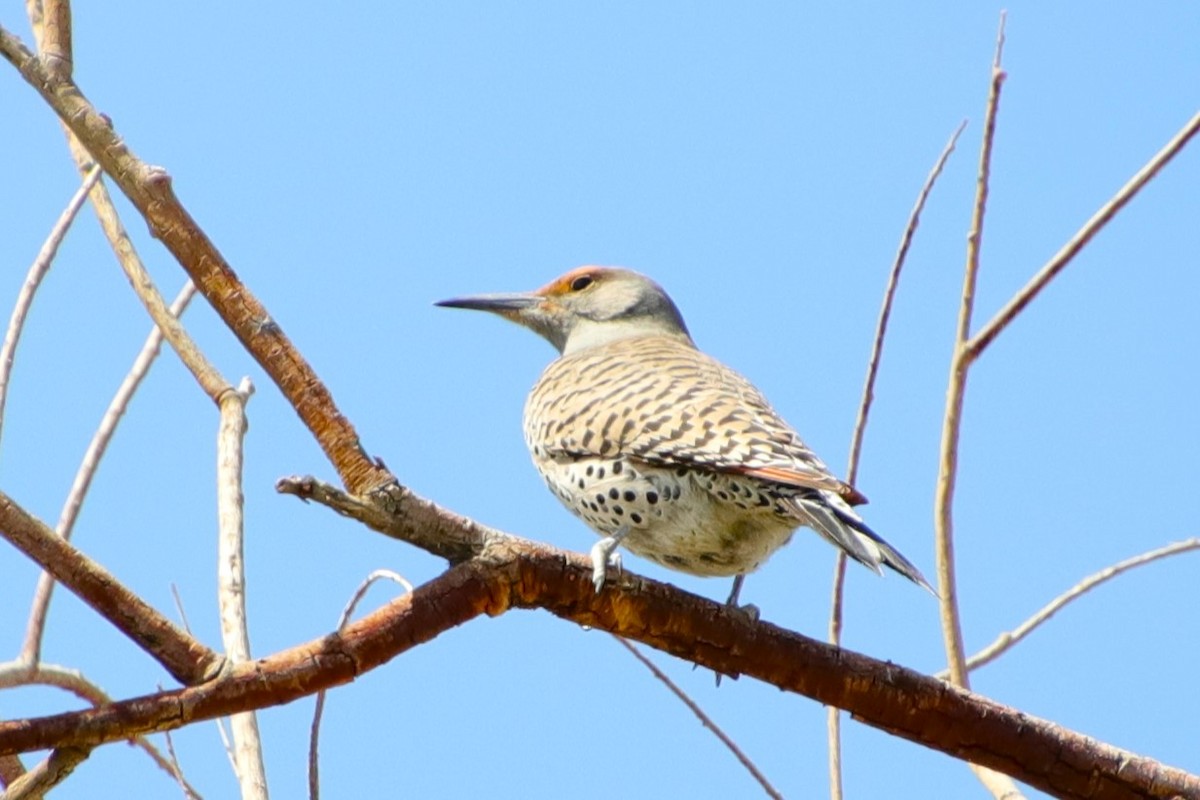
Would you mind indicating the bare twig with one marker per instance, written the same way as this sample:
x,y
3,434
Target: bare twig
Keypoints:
x,y
860,428
705,720
889,295
173,766
31,648
186,659
314,771
943,505
1000,786
981,340
1008,639
33,279
231,579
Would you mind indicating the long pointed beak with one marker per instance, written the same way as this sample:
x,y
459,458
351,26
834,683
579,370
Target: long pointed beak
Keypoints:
x,y
498,303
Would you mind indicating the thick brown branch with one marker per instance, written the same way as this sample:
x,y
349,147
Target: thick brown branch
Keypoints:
x,y
514,573
149,189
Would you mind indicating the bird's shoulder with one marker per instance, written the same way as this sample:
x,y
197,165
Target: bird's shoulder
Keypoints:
x,y
662,401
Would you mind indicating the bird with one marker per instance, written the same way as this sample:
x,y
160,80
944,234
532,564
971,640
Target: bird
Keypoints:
x,y
662,449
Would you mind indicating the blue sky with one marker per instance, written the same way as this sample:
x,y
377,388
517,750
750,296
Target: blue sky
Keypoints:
x,y
759,163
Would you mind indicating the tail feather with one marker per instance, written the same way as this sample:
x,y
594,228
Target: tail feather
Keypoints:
x,y
835,521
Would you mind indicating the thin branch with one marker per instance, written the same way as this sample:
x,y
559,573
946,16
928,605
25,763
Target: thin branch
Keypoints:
x,y
231,580
35,628
314,736
1009,639
889,296
33,279
834,719
175,769
951,426
981,340
186,659
210,379
1000,786
705,720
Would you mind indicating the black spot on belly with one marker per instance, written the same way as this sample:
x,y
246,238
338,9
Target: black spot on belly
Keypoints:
x,y
590,470
637,518
630,496
614,493
617,467
651,497
677,561
618,510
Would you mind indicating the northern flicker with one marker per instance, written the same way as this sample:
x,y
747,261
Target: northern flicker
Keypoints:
x,y
663,449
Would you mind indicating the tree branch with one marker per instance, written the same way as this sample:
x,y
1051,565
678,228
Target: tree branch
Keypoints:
x,y
518,574
1024,297
149,189
186,659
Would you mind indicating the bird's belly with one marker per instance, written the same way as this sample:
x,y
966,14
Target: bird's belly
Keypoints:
x,y
700,523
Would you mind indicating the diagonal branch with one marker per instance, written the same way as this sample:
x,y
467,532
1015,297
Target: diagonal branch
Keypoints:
x,y
1055,265
149,189
1009,639
705,720
185,658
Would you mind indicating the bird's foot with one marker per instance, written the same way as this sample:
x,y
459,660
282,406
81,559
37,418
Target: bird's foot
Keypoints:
x,y
749,609
604,554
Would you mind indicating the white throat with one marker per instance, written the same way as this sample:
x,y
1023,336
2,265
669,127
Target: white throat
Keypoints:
x,y
588,333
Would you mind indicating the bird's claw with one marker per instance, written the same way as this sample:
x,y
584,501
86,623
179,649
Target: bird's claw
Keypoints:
x,y
604,555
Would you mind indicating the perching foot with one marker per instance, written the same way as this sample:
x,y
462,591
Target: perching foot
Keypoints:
x,y
604,554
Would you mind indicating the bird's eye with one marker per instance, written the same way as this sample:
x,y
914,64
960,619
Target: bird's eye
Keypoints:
x,y
581,283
